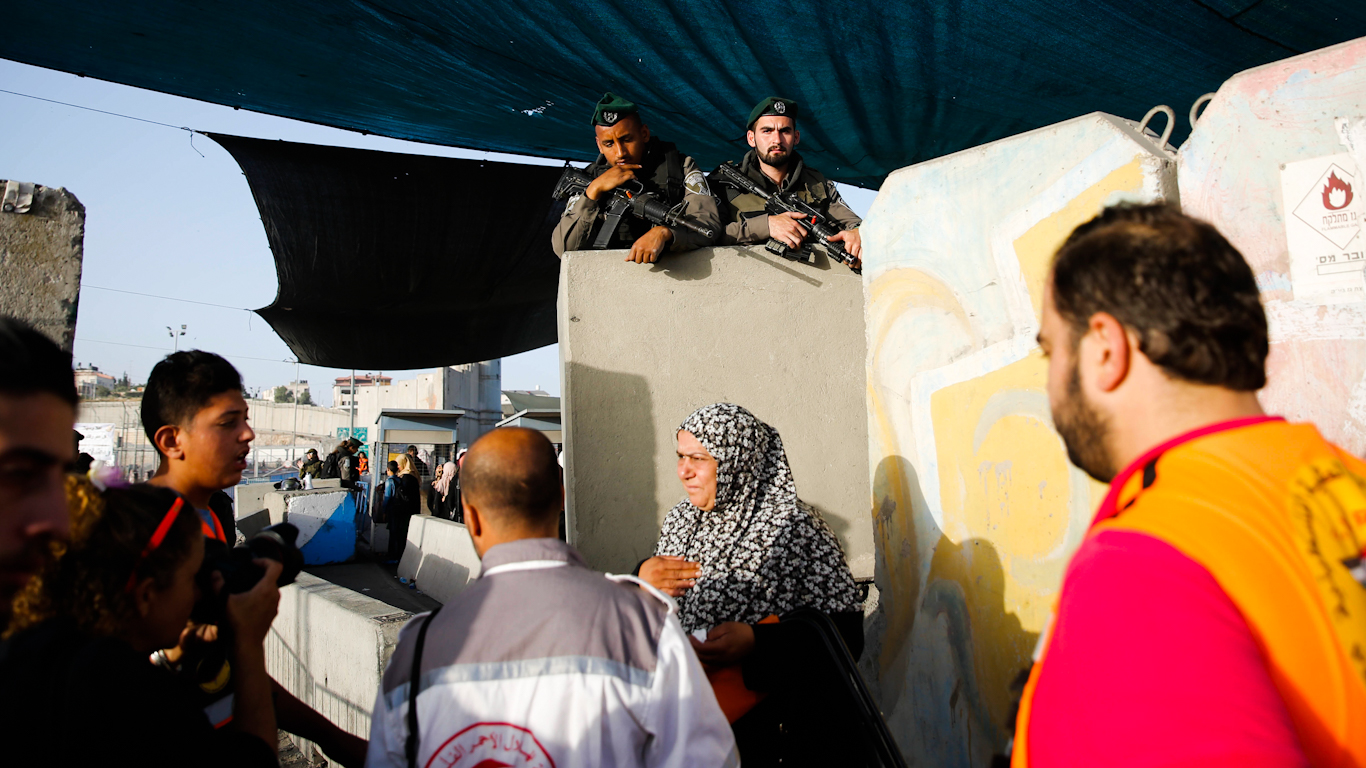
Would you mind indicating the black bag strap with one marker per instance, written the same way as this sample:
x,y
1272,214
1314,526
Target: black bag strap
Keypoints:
x,y
414,688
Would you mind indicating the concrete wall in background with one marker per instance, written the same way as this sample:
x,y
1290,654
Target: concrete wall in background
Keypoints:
x,y
440,557
40,262
329,646
1257,165
641,347
976,508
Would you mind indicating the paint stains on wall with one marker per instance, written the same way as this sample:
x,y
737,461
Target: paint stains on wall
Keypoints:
x,y
975,508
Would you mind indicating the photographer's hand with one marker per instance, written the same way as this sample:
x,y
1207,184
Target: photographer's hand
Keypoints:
x,y
250,615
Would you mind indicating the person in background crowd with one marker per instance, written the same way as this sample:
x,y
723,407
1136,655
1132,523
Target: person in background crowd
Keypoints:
x,y
739,552
434,507
444,485
81,690
419,466
629,152
312,466
337,465
194,413
574,668
1215,614
362,464
390,490
37,413
407,501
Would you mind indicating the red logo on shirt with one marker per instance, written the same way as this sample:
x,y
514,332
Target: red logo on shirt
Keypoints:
x,y
491,745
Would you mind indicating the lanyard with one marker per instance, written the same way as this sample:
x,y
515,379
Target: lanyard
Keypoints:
x,y
526,565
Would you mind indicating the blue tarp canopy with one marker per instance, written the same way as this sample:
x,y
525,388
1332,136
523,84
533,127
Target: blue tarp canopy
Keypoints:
x,y
882,84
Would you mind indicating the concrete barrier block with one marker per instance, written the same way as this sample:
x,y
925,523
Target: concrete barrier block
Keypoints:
x,y
642,346
253,523
440,556
976,508
326,520
250,498
329,647
1257,165
41,254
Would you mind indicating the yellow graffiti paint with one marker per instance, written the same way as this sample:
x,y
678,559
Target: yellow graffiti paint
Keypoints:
x,y
1035,248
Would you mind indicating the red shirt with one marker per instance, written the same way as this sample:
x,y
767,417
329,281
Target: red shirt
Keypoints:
x,y
1153,666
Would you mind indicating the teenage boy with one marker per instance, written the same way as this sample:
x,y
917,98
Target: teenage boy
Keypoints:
x,y
194,413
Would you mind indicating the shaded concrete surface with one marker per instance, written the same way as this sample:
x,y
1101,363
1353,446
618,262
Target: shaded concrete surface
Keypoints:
x,y
439,557
40,262
643,346
378,581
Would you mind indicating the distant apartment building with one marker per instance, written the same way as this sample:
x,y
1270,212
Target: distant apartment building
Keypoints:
x,y
343,397
90,379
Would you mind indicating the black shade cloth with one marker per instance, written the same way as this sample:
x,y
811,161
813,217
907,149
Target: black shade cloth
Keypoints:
x,y
390,261
882,84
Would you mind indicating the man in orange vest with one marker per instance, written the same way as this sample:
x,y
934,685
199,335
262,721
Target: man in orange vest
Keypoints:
x,y
1216,612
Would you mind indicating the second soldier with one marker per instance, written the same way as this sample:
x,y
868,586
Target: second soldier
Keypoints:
x,y
628,151
776,167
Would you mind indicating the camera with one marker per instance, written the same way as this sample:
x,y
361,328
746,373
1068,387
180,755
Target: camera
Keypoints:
x,y
240,574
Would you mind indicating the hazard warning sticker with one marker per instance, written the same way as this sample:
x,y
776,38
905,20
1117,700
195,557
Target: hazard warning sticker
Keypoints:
x,y
1325,207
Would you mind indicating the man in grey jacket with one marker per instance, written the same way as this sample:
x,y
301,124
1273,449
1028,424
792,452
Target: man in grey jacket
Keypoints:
x,y
543,661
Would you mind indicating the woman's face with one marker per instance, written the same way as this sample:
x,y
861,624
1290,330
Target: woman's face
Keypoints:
x,y
171,607
697,471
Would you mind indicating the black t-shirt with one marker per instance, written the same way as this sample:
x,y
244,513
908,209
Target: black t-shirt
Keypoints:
x,y
68,699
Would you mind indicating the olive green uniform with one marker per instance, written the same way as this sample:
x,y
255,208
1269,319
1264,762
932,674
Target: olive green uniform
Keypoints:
x,y
744,215
671,175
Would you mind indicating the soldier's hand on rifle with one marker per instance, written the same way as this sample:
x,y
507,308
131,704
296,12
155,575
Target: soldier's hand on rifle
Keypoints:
x,y
853,243
785,229
647,249
610,179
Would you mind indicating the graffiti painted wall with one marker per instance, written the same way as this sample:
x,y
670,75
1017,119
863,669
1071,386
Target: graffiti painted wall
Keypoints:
x,y
975,507
1277,161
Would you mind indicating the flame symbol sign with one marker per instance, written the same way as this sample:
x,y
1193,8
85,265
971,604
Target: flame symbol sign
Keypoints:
x,y
1337,194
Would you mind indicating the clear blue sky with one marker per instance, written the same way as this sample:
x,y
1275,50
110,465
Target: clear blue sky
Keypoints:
x,y
161,219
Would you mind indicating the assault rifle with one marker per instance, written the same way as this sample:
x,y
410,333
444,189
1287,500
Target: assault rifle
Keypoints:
x,y
632,198
819,226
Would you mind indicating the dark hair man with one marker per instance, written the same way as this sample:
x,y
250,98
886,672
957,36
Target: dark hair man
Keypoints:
x,y
194,413
37,413
777,167
577,668
628,151
1216,611
419,465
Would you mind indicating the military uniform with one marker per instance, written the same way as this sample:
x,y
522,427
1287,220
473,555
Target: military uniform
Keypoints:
x,y
743,213
665,172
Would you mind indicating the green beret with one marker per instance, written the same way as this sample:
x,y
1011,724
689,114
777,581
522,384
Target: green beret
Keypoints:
x,y
773,105
611,108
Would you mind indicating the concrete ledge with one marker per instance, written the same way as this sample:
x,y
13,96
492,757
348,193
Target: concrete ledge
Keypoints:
x,y
329,646
440,556
641,347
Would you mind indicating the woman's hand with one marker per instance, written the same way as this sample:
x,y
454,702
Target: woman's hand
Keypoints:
x,y
670,574
727,644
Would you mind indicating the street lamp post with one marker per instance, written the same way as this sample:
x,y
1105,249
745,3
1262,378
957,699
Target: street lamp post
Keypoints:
x,y
294,437
176,336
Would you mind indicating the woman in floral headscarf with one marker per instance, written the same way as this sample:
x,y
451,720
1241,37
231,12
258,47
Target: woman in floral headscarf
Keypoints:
x,y
742,548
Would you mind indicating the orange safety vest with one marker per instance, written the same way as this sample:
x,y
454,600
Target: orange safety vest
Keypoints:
x,y
1277,515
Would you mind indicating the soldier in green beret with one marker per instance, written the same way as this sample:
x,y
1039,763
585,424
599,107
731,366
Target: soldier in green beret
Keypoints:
x,y
628,151
775,165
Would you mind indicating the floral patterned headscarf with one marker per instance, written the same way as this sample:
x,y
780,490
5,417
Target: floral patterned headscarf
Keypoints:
x,y
762,550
